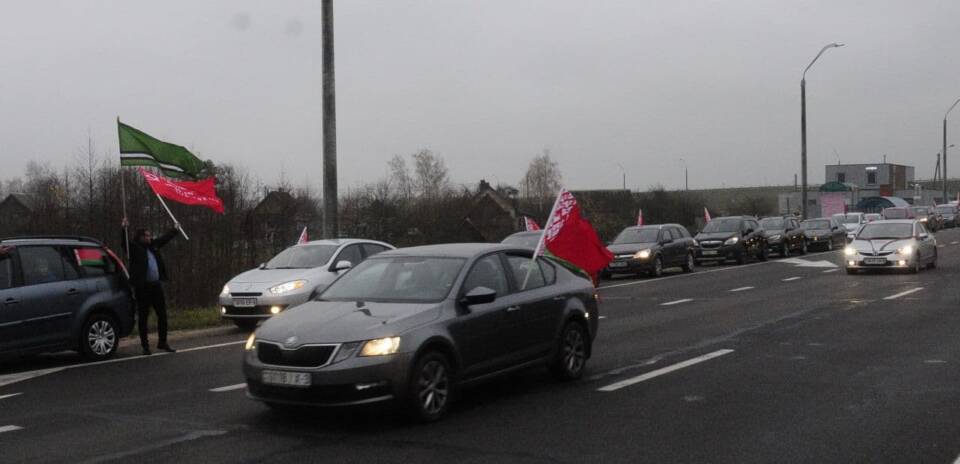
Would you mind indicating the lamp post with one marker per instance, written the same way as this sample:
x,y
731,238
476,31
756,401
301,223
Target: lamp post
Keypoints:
x,y
803,128
624,172
945,149
331,223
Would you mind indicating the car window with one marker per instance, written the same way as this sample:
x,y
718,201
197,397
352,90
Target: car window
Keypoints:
x,y
921,229
41,264
94,261
684,233
549,272
397,279
302,257
71,269
520,267
487,272
370,249
675,233
350,253
6,271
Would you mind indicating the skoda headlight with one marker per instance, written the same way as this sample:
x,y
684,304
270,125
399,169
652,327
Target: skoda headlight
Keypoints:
x,y
225,291
907,250
381,347
642,254
251,342
287,287
732,241
849,251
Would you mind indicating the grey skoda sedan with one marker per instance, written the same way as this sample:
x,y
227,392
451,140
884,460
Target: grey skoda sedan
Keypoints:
x,y
412,325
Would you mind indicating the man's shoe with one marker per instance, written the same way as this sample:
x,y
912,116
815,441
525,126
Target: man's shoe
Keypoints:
x,y
166,348
146,351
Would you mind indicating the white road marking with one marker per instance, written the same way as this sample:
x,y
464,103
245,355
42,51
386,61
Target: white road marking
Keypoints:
x,y
198,348
804,263
791,279
957,461
229,388
603,317
941,246
9,428
671,303
954,243
741,289
3,397
898,295
830,270
699,272
663,370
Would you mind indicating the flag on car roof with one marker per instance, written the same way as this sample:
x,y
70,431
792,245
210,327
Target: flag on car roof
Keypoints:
x,y
89,257
567,235
137,148
530,225
200,193
706,215
640,217
304,238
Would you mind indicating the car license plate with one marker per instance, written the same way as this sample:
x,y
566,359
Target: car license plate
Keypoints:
x,y
709,252
620,264
875,261
289,379
244,302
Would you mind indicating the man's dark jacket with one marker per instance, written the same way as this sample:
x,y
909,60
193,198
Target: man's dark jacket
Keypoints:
x,y
138,258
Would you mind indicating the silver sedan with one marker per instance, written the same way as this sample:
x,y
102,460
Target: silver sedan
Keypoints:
x,y
895,244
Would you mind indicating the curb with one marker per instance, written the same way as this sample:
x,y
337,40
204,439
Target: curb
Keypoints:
x,y
133,340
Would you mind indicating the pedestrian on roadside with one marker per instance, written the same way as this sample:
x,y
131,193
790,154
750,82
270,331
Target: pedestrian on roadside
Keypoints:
x,y
147,276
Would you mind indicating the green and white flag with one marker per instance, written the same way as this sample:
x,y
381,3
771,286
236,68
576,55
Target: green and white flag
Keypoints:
x,y
139,149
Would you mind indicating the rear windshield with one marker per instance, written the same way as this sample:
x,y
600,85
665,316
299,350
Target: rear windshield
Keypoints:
x,y
526,240
815,225
637,236
722,225
895,213
302,257
851,219
946,209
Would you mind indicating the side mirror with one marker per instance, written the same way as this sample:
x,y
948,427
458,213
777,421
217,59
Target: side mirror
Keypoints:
x,y
479,295
923,236
342,266
262,266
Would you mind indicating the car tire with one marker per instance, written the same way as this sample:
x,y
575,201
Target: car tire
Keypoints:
x,y
915,269
246,325
803,250
571,358
690,264
785,250
430,392
605,275
933,262
99,337
830,245
657,270
764,254
740,259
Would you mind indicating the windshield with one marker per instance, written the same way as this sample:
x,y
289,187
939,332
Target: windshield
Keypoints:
x,y
850,219
302,257
646,235
921,211
888,230
772,223
524,239
815,225
946,210
401,279
893,213
722,225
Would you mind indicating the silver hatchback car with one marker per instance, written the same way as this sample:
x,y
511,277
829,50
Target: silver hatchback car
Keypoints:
x,y
894,244
291,278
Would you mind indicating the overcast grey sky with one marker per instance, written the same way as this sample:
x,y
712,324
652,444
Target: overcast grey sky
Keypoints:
x,y
488,84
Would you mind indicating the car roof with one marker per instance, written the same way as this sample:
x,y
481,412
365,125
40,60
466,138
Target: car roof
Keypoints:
x,y
343,241
525,233
896,221
652,226
452,250
51,240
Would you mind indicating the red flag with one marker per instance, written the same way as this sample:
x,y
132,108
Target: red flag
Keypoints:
x,y
571,237
202,192
640,217
706,215
530,224
304,238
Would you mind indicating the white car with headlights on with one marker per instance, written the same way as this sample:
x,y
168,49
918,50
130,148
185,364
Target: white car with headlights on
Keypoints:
x,y
896,244
291,278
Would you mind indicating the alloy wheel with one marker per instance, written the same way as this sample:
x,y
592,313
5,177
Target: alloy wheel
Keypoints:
x,y
433,387
574,350
101,338
657,267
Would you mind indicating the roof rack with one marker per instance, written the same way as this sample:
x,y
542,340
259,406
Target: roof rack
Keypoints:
x,y
79,238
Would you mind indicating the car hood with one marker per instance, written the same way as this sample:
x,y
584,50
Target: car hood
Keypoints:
x,y
272,277
623,248
716,235
851,227
873,246
346,321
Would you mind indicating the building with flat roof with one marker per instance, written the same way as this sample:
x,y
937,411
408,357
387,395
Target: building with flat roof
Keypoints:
x,y
877,179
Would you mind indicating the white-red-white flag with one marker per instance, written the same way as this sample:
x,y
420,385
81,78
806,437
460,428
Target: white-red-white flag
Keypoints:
x,y
640,217
304,238
706,215
530,224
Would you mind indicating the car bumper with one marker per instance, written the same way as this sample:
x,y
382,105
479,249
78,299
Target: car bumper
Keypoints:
x,y
721,253
262,308
629,265
892,261
354,381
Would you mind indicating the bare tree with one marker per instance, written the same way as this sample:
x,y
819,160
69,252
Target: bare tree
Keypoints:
x,y
430,174
542,181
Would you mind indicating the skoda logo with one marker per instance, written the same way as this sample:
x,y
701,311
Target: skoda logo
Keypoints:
x,y
291,341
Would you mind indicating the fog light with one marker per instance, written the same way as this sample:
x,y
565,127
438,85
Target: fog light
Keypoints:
x,y
223,310
367,386
274,310
903,263
852,263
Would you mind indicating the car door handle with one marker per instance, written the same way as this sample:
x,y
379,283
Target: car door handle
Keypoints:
x,y
11,301
513,308
559,298
72,291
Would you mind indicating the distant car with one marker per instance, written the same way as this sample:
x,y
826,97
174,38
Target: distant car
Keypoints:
x,y
824,232
928,216
413,325
894,244
292,277
851,222
736,238
528,239
870,217
784,235
650,249
62,293
898,212
949,213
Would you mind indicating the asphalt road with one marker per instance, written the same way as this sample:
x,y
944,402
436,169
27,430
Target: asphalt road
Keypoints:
x,y
783,361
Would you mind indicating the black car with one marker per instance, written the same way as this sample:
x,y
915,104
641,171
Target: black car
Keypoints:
x,y
784,235
929,217
949,214
62,293
528,239
826,232
650,249
412,325
734,238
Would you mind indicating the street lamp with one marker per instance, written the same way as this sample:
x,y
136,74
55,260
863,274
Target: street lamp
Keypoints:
x,y
945,149
624,171
686,175
803,127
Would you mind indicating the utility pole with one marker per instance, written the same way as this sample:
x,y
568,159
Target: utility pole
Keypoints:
x,y
945,149
331,223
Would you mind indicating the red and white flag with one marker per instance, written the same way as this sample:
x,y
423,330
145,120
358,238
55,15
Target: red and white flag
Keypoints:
x,y
530,224
706,215
640,217
201,193
571,237
304,238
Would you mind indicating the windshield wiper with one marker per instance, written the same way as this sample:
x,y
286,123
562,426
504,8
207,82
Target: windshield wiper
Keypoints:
x,y
284,267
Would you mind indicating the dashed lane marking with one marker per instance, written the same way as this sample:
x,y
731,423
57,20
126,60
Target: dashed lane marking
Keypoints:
x,y
9,428
941,246
830,270
741,289
229,388
898,295
954,243
603,317
791,279
3,397
675,302
664,370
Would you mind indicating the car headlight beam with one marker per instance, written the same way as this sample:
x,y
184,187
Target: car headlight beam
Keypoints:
x,y
287,287
849,251
907,250
642,254
732,241
251,342
380,346
225,291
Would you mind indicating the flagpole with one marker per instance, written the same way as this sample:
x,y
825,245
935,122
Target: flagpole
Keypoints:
x,y
546,227
123,202
176,224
